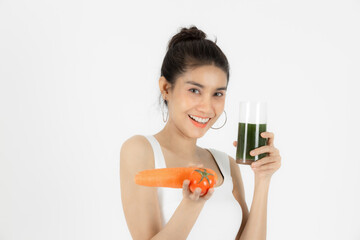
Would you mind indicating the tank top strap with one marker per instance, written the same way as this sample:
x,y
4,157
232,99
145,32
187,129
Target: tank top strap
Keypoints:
x,y
158,154
223,161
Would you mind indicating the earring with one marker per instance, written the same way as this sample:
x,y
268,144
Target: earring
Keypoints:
x,y
163,112
224,122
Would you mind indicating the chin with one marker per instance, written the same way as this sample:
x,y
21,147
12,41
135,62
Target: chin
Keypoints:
x,y
194,135
198,133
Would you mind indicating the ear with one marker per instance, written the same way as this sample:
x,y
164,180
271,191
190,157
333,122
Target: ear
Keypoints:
x,y
164,86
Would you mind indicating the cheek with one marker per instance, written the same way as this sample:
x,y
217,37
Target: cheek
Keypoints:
x,y
185,100
219,105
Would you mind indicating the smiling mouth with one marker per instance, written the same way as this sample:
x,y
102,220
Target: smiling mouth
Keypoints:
x,y
199,120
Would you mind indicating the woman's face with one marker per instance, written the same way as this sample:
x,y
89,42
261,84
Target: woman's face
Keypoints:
x,y
197,100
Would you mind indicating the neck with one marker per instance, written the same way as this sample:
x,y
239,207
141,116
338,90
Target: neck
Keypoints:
x,y
174,140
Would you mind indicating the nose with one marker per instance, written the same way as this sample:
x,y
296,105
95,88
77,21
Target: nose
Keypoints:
x,y
206,106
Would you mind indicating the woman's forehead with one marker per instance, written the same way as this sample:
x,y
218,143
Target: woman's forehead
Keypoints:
x,y
206,76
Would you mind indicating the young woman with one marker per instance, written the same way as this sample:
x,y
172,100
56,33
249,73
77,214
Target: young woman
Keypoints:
x,y
193,83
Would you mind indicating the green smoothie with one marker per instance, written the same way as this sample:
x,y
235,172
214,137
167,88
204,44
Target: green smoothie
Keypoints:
x,y
248,139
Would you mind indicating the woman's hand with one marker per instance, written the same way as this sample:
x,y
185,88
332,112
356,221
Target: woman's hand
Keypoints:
x,y
195,196
265,167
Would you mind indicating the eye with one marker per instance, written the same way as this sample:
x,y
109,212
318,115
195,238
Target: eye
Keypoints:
x,y
194,90
219,94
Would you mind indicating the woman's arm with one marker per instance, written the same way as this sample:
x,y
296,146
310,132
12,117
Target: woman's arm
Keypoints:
x,y
255,226
140,204
183,219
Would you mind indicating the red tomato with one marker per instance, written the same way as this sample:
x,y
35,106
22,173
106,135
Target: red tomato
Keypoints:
x,y
203,178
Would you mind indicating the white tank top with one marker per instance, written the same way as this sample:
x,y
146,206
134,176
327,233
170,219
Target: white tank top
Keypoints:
x,y
221,215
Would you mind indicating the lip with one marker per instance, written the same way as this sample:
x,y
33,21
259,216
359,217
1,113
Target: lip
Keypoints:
x,y
200,125
198,116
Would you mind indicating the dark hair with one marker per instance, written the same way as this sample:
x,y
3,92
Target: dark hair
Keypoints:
x,y
189,49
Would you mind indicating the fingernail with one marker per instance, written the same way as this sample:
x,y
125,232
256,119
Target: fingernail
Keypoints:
x,y
252,153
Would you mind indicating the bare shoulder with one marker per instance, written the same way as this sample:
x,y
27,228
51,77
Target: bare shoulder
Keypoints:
x,y
235,172
238,185
137,142
239,191
136,152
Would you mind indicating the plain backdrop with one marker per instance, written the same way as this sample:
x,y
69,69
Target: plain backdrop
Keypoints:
x,y
78,78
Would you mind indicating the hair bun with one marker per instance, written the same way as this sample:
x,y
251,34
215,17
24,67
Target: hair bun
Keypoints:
x,y
187,34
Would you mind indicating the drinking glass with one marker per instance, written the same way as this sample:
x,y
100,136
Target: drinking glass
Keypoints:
x,y
252,122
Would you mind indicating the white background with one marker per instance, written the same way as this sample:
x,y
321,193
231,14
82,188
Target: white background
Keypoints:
x,y
77,78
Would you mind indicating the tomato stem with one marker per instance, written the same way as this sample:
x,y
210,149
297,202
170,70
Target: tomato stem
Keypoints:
x,y
204,174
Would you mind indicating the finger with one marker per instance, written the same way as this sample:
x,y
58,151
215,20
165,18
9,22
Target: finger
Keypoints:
x,y
264,149
196,194
186,189
235,143
269,166
263,161
270,136
209,193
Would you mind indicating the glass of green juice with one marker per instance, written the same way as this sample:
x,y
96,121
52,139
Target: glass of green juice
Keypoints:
x,y
252,122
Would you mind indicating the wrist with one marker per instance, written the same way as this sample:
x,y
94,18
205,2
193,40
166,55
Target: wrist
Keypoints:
x,y
194,203
261,181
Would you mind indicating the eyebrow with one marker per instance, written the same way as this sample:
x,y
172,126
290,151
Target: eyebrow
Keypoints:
x,y
201,86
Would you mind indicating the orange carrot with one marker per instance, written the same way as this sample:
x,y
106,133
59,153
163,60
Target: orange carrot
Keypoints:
x,y
164,177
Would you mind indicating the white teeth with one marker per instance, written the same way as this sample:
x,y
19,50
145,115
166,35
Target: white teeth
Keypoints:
x,y
200,120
